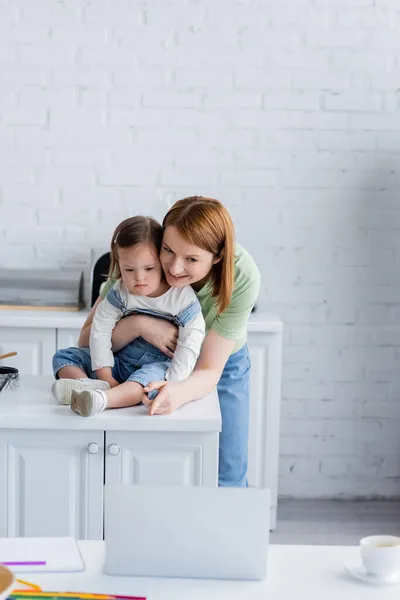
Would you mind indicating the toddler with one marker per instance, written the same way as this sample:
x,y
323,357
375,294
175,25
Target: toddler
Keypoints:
x,y
92,379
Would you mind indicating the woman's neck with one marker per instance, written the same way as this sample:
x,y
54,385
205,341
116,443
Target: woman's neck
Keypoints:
x,y
200,284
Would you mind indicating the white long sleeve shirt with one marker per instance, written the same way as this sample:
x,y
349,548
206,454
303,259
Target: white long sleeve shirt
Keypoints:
x,y
170,305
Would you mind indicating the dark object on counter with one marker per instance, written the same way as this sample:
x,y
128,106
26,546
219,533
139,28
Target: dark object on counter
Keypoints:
x,y
99,275
8,377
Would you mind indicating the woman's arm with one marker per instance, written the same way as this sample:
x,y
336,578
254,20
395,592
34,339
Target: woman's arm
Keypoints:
x,y
158,332
83,341
214,354
228,327
125,331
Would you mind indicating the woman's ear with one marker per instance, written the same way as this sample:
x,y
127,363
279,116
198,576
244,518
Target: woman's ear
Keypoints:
x,y
218,259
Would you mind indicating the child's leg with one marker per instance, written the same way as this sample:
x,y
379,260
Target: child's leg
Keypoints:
x,y
73,371
91,402
126,394
72,363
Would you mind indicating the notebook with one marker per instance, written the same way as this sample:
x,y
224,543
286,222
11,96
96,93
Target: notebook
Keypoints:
x,y
60,554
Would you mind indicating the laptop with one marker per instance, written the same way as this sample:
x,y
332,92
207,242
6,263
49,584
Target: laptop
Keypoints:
x,y
182,531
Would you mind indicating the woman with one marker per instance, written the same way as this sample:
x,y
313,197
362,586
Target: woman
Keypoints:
x,y
198,249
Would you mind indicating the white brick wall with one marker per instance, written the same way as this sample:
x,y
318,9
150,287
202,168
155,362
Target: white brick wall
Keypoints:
x,y
289,112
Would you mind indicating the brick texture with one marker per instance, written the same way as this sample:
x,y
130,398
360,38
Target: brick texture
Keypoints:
x,y
289,112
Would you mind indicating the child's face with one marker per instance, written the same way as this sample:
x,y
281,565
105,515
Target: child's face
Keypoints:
x,y
140,270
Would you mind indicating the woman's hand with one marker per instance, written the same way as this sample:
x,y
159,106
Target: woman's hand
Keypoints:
x,y
160,333
167,400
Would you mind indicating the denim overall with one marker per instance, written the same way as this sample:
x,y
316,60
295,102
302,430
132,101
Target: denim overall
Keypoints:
x,y
138,361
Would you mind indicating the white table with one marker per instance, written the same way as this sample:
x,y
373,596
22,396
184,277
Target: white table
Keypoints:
x,y
298,572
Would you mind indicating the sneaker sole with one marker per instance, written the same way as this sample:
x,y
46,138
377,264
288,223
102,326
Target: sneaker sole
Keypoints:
x,y
81,403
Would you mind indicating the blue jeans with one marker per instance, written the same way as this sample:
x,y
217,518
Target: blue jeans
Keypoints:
x,y
234,399
138,361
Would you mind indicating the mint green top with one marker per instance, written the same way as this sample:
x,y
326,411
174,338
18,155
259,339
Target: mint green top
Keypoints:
x,y
232,323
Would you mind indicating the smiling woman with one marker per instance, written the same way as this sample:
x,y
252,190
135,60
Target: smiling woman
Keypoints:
x,y
183,263
198,252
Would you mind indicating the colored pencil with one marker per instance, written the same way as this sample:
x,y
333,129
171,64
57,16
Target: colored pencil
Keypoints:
x,y
129,597
38,594
30,584
70,595
22,563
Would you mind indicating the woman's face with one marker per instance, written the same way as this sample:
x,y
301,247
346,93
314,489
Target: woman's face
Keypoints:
x,y
184,263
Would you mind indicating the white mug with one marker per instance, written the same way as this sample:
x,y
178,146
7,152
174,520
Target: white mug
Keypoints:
x,y
380,555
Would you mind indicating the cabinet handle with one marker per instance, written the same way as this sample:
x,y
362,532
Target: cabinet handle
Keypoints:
x,y
93,448
113,449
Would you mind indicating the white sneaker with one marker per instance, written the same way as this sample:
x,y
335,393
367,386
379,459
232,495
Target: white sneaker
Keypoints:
x,y
62,388
89,402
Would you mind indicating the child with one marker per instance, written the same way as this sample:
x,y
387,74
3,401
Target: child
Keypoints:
x,y
94,379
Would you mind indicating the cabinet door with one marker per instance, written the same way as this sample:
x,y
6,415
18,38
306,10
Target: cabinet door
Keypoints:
x,y
162,458
35,349
67,338
51,483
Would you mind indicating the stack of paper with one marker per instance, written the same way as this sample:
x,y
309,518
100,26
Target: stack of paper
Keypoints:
x,y
36,555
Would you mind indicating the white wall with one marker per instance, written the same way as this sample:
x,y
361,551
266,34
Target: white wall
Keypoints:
x,y
289,113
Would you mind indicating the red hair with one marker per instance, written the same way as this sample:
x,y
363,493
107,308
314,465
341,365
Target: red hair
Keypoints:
x,y
205,222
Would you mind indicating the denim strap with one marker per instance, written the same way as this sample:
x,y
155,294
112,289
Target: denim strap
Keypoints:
x,y
181,319
114,298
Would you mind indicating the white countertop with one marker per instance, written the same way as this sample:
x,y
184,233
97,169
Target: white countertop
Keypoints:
x,y
258,322
30,405
49,319
294,573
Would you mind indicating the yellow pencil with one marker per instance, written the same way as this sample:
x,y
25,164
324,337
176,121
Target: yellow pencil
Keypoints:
x,y
33,594
29,584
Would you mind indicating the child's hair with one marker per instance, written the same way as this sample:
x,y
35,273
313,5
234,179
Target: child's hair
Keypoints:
x,y
132,231
206,223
